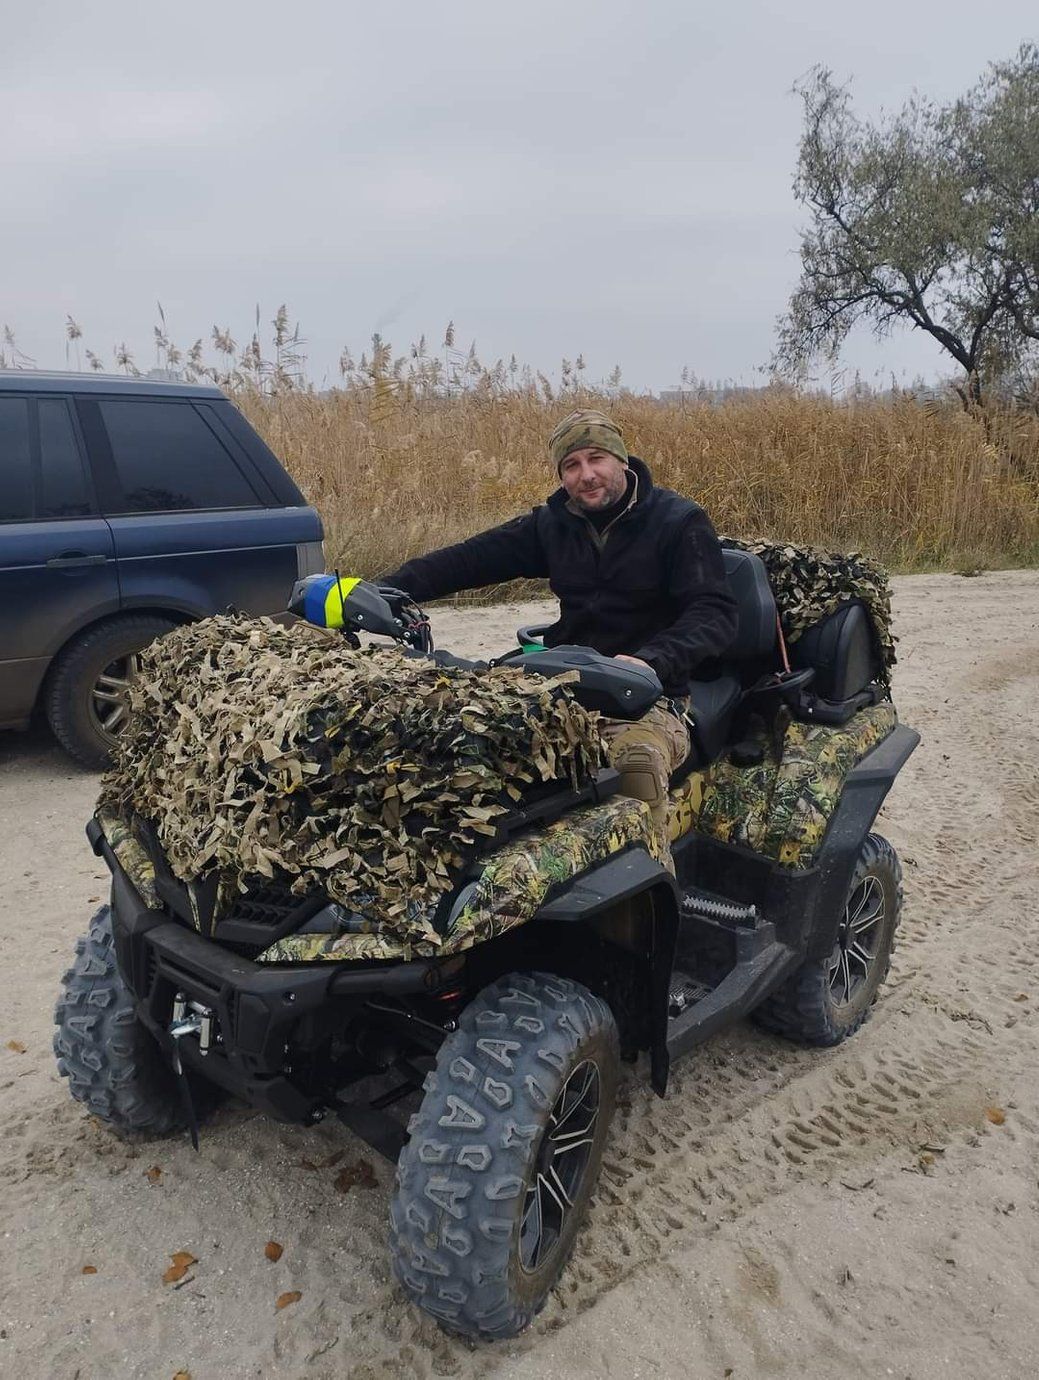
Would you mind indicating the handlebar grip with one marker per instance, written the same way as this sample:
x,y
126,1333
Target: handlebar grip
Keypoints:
x,y
533,632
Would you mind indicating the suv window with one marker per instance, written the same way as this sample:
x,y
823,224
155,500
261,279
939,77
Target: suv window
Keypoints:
x,y
15,463
63,485
167,458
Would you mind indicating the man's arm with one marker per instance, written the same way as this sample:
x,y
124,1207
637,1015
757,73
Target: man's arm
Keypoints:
x,y
508,552
707,623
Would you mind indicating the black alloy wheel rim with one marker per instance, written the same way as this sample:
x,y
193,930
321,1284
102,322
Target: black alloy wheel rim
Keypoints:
x,y
858,940
560,1166
110,695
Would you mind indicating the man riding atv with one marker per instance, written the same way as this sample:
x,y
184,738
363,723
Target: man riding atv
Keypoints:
x,y
639,576
351,879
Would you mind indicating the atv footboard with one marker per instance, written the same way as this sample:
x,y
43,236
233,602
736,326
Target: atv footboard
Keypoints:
x,y
747,922
245,1018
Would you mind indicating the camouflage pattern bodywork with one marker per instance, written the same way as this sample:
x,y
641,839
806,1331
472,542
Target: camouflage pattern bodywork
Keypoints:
x,y
782,806
809,584
261,751
132,855
510,890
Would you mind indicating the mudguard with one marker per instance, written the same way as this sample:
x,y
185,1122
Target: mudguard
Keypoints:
x,y
865,787
511,889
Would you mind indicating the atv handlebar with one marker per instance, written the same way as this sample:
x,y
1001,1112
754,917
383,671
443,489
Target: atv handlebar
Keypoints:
x,y
621,689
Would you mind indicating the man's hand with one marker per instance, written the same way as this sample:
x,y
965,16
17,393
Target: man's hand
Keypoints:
x,y
635,661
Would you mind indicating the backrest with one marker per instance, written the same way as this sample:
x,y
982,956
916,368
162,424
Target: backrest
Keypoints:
x,y
756,629
841,649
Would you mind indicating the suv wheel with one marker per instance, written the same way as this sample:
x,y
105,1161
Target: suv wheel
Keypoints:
x,y
87,695
827,1000
504,1153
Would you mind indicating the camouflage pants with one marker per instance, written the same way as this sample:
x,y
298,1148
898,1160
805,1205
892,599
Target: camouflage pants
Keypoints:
x,y
645,752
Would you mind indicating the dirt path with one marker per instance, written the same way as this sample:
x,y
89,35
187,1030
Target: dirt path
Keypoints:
x,y
783,1212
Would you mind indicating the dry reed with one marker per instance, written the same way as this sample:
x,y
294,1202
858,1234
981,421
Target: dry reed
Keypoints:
x,y
395,472
426,448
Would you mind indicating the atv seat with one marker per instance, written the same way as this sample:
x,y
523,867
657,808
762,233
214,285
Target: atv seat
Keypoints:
x,y
714,702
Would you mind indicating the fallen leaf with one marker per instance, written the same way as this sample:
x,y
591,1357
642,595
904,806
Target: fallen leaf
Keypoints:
x,y
182,1263
182,1375
333,1159
92,899
16,1046
866,1183
996,1115
89,1270
293,1296
273,1250
154,1174
1021,996
362,1174
926,1161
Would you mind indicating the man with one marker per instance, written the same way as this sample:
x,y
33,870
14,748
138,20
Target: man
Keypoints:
x,y
639,576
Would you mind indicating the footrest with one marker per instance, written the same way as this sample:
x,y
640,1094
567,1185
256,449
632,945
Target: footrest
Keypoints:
x,y
684,991
708,906
739,992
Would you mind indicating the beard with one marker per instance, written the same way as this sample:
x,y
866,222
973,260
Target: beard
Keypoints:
x,y
604,496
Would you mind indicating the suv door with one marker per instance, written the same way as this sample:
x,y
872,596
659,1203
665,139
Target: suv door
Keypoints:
x,y
57,556
196,525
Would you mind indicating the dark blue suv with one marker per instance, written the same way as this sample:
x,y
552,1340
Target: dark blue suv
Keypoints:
x,y
126,507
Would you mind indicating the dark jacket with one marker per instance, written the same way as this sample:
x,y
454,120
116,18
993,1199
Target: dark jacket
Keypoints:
x,y
652,585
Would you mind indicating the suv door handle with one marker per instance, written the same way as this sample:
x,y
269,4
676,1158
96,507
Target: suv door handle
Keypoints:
x,y
72,558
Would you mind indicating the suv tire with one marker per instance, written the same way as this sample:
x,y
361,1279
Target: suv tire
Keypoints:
x,y
93,664
504,1153
827,1000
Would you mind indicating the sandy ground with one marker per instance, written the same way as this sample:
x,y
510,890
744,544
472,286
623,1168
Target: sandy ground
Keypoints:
x,y
854,1212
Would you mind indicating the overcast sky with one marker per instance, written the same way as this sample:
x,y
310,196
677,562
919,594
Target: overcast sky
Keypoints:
x,y
612,177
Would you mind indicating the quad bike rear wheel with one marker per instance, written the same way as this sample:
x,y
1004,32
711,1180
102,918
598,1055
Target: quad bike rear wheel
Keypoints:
x,y
504,1154
111,1060
827,1000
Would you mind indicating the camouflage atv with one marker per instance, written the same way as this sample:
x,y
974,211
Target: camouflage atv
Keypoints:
x,y
493,964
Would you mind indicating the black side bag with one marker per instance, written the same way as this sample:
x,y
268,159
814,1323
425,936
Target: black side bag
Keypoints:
x,y
842,651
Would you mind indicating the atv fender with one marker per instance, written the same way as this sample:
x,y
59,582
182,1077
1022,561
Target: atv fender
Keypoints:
x,y
864,790
600,889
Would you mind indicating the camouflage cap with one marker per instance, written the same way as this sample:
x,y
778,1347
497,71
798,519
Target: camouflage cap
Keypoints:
x,y
586,427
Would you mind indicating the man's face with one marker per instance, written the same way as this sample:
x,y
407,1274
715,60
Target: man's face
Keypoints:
x,y
593,478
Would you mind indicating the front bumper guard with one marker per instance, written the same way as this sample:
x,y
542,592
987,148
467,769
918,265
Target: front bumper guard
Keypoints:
x,y
256,1009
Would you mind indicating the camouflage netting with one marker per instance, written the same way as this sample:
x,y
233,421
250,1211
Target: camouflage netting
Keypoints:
x,y
260,750
808,584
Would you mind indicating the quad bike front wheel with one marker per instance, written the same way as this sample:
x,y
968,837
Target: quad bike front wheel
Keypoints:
x,y
504,1154
827,1000
111,1061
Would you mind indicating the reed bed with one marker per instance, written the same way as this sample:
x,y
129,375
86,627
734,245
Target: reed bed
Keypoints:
x,y
396,471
